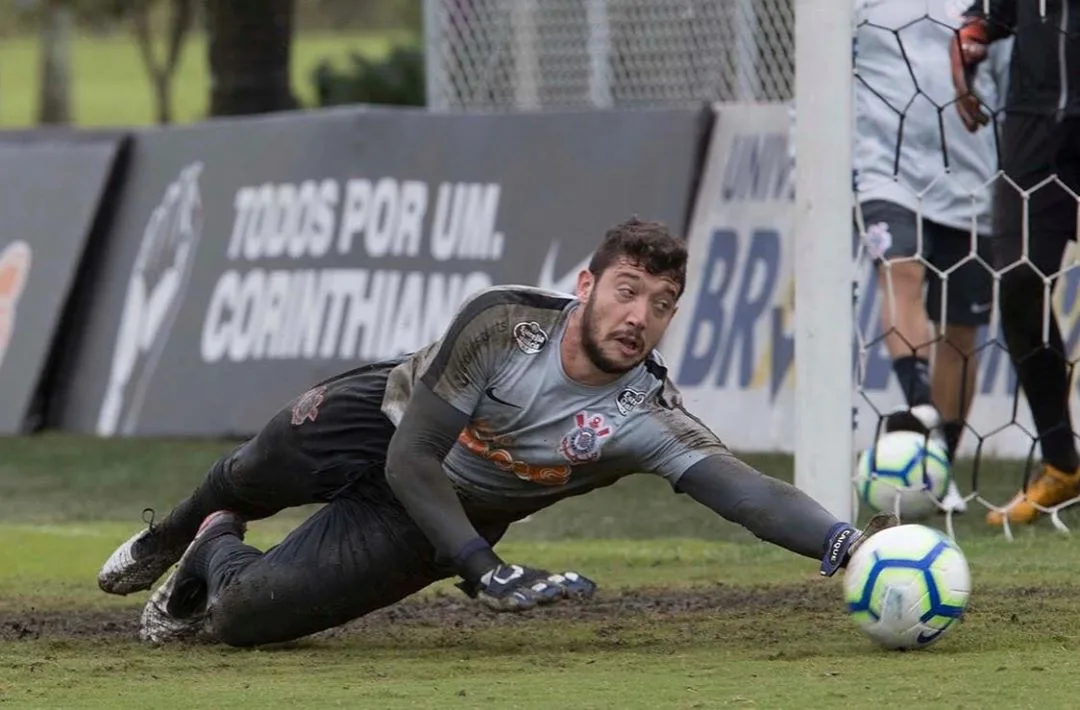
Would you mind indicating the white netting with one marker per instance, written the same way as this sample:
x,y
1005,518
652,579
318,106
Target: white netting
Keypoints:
x,y
557,54
922,156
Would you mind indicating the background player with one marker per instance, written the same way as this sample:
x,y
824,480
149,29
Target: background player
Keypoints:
x,y
921,189
1040,140
530,397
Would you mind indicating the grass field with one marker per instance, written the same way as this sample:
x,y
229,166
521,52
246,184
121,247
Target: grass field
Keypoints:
x,y
110,87
692,613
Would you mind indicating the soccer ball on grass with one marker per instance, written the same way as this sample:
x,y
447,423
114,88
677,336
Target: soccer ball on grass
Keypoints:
x,y
905,473
906,586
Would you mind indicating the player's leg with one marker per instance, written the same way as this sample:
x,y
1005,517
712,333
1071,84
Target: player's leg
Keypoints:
x,y
359,553
892,231
966,309
957,306
1033,149
302,455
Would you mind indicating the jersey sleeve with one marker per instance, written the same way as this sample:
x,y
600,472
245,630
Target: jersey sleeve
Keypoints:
x,y
470,351
677,441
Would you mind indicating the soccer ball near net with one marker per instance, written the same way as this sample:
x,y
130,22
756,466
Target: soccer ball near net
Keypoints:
x,y
904,473
906,586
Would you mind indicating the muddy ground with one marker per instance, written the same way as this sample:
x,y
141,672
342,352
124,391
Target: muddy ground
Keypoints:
x,y
813,599
456,611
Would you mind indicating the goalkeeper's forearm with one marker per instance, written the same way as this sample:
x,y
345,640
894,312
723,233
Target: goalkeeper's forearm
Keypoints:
x,y
414,472
771,509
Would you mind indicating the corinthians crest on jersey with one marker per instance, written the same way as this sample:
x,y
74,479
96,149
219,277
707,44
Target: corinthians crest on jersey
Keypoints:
x,y
583,443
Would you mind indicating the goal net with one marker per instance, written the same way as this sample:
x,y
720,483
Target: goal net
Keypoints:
x,y
830,402
925,194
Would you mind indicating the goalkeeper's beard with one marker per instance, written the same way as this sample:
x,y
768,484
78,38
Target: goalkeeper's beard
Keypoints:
x,y
590,342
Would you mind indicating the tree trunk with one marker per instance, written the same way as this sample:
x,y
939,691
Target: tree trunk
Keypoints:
x,y
163,99
250,45
161,73
54,105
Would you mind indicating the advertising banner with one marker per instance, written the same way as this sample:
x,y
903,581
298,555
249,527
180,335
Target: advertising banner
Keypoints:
x,y
250,258
51,185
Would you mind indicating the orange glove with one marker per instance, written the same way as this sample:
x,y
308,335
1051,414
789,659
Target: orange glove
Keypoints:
x,y
967,49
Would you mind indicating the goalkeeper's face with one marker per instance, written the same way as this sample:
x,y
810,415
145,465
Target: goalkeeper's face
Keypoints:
x,y
627,310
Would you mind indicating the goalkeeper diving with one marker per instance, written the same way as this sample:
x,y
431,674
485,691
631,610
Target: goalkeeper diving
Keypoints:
x,y
424,461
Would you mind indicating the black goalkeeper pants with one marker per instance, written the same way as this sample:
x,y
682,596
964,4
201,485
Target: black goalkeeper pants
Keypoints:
x,y
1042,155
358,553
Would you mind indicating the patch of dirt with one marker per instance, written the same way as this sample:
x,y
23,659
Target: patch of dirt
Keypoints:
x,y
455,611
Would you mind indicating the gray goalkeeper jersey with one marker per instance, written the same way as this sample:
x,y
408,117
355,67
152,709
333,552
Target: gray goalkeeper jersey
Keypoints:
x,y
914,83
535,435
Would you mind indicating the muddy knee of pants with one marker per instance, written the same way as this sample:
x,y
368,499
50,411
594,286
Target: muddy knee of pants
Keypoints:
x,y
275,606
359,553
269,606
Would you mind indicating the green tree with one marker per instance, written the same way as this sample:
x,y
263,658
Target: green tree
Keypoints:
x,y
250,47
54,58
138,15
161,71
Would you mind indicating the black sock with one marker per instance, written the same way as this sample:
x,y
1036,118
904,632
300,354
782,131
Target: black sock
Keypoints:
x,y
1045,379
952,431
208,556
913,373
200,561
191,588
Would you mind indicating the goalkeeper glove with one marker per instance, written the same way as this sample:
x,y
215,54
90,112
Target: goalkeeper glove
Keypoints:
x,y
966,51
844,539
516,588
506,587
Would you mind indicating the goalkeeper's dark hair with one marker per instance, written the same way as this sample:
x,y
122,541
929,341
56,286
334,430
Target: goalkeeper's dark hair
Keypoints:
x,y
645,244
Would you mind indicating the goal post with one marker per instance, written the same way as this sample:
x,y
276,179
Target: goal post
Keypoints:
x,y
824,283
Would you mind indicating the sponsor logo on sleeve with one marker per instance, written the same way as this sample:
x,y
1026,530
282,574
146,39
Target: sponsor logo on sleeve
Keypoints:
x,y
530,337
628,399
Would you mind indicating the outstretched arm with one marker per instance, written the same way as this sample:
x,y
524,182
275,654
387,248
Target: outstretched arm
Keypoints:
x,y
771,509
775,511
698,464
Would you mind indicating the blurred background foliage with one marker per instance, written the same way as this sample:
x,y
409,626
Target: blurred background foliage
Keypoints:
x,y
94,62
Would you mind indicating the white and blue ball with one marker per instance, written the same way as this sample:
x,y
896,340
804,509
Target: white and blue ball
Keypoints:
x,y
904,472
907,586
